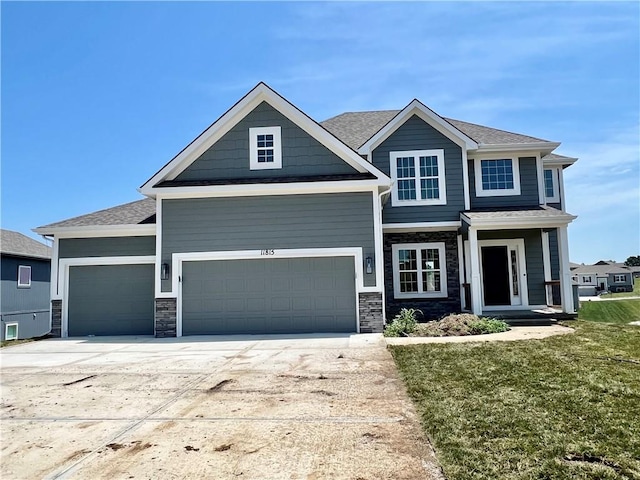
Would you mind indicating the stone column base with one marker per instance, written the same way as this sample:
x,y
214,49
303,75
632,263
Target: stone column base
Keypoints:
x,y
56,318
371,312
165,317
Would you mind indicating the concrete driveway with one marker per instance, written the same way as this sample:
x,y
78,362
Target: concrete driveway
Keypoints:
x,y
250,407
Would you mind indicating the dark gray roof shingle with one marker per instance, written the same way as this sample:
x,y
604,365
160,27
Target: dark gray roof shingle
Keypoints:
x,y
133,213
355,128
15,243
543,211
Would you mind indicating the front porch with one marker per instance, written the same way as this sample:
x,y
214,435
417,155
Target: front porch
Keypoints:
x,y
534,316
516,264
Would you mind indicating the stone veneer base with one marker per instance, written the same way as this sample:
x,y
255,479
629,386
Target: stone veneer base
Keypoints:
x,y
371,312
165,317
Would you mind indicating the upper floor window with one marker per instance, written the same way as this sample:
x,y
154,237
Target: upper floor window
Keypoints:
x,y
419,270
551,185
619,278
497,177
24,276
265,148
418,177
586,279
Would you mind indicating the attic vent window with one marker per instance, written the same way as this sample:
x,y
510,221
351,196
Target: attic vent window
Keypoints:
x,y
265,150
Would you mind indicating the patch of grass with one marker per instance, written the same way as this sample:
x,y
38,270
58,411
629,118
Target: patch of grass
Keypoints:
x,y
565,407
618,311
635,293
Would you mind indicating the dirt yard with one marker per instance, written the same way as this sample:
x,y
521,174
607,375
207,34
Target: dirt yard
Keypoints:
x,y
299,407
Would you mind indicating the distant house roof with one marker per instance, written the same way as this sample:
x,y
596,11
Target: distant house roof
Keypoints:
x,y
133,213
600,269
355,128
15,243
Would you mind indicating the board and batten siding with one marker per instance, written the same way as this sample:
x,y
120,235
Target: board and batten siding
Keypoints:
x,y
554,254
528,187
416,134
302,155
268,222
106,247
533,258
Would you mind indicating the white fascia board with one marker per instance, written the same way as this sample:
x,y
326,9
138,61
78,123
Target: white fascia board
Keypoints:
x,y
250,190
421,227
516,148
93,231
429,116
231,118
514,223
559,162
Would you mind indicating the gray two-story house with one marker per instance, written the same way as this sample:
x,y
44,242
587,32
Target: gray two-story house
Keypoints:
x,y
270,222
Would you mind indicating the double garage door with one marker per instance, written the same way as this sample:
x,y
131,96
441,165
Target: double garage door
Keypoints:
x,y
274,295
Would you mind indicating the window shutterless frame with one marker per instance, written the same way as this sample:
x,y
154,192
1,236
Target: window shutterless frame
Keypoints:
x,y
265,148
11,331
418,177
497,177
419,270
24,276
552,185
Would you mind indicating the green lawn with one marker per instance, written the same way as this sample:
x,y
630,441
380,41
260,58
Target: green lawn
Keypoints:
x,y
565,407
635,293
615,311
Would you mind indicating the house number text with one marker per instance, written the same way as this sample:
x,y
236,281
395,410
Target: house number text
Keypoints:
x,y
267,252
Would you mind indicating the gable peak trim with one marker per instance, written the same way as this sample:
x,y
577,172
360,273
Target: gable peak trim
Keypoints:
x,y
260,93
416,107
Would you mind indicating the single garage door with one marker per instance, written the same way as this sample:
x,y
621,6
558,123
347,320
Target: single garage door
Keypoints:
x,y
111,300
276,295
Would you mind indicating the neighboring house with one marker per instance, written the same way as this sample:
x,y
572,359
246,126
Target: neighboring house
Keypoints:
x,y
269,222
24,291
603,276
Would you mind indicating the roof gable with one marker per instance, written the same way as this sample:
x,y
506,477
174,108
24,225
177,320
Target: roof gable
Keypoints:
x,y
430,117
228,158
259,94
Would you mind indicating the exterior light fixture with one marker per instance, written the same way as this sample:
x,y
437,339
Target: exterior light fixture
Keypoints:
x,y
164,271
369,264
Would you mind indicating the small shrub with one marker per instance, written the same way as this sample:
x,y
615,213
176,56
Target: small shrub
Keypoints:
x,y
488,325
403,324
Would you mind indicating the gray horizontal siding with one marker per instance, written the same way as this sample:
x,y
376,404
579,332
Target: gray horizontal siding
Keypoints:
x,y
34,298
302,155
106,247
268,222
528,188
32,324
533,258
416,134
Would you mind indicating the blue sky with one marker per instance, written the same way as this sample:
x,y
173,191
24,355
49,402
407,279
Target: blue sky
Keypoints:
x,y
96,97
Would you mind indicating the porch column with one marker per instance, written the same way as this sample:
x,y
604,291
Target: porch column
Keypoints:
x,y
476,293
566,291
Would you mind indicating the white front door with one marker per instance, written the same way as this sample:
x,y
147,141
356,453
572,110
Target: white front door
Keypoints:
x,y
503,273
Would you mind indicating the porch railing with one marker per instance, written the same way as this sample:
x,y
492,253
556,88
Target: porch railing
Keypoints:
x,y
552,291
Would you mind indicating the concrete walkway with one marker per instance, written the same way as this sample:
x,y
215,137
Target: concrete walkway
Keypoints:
x,y
516,333
605,299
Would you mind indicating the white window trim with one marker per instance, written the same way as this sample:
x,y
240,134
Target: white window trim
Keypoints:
x,y
253,148
480,192
396,270
439,153
24,285
617,276
556,185
6,331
